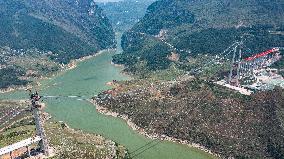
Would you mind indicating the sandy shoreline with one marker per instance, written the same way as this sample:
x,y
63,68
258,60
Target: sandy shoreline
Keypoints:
x,y
117,65
73,63
11,89
122,67
141,131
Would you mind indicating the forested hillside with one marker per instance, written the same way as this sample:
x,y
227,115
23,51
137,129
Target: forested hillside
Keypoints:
x,y
170,99
37,36
201,27
69,28
229,124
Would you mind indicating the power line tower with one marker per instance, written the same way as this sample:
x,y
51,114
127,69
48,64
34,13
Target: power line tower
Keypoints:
x,y
36,109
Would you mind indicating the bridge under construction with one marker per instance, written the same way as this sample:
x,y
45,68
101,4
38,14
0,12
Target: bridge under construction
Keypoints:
x,y
252,72
40,137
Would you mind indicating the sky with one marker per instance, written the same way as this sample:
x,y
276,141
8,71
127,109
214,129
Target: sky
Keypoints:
x,y
107,0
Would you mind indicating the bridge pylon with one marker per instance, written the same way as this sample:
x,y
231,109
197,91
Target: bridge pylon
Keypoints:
x,y
37,112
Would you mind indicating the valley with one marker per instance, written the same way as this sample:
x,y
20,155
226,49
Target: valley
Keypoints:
x,y
39,37
81,114
197,112
169,79
124,14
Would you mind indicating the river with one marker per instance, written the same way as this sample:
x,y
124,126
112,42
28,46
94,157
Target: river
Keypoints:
x,y
86,80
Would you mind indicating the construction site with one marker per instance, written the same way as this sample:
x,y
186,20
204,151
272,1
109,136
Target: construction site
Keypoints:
x,y
252,73
27,131
42,148
247,74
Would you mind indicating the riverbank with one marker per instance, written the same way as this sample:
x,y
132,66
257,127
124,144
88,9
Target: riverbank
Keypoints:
x,y
117,65
36,82
73,140
11,89
88,79
123,72
73,63
141,131
65,142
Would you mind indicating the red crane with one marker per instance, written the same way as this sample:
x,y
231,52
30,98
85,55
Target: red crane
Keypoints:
x,y
262,54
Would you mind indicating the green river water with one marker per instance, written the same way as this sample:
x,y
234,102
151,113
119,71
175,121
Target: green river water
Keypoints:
x,y
86,80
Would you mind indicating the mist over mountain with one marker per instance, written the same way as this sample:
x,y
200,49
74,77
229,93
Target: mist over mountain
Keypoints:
x,y
124,14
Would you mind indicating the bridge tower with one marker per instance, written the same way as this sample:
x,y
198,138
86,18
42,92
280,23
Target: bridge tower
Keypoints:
x,y
36,109
236,61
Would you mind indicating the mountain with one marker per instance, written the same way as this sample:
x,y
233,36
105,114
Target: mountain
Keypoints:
x,y
36,37
227,123
69,29
191,27
124,14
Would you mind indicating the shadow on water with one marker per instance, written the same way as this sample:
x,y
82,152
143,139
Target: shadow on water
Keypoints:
x,y
144,148
65,99
90,78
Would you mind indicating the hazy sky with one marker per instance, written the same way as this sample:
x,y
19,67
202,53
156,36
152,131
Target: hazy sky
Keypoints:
x,y
107,0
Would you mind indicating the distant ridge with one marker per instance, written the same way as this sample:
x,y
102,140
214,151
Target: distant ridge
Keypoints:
x,y
69,28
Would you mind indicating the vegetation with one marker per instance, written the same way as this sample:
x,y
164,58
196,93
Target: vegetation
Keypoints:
x,y
198,27
62,27
10,76
13,112
228,123
280,66
21,67
149,50
37,36
67,142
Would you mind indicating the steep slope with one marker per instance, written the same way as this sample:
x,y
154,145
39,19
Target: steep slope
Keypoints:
x,y
124,14
229,124
37,36
69,28
199,27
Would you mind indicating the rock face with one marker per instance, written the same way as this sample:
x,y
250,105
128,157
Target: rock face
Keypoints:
x,y
203,26
68,28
